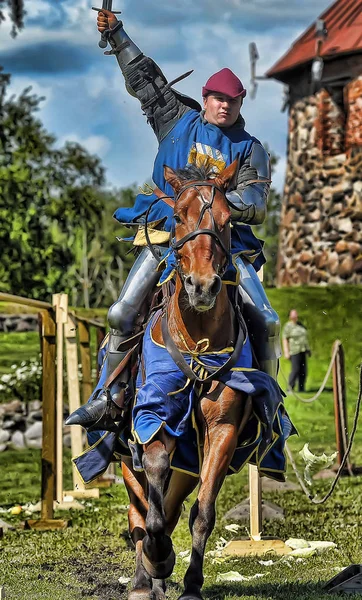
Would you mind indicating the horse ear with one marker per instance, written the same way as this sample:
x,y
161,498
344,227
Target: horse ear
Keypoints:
x,y
227,179
171,178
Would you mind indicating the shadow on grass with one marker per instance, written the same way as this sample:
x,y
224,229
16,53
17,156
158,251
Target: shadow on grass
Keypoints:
x,y
274,591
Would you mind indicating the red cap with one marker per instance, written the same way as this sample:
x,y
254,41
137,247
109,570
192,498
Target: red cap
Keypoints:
x,y
224,82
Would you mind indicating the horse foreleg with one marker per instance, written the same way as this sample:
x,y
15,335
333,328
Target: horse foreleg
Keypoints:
x,y
179,488
136,485
219,448
158,556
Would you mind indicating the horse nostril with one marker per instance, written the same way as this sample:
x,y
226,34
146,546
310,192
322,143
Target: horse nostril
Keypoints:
x,y
216,285
188,280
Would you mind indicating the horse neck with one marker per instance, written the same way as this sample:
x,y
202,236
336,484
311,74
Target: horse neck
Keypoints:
x,y
187,326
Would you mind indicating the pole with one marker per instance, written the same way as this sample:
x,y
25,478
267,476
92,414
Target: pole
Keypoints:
x,y
60,303
85,356
340,405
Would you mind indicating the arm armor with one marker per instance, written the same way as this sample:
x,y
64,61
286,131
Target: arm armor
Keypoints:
x,y
248,201
162,105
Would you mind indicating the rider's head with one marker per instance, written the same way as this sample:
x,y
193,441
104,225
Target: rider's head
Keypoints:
x,y
223,96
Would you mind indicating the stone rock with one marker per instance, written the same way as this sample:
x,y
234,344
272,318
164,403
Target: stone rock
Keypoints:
x,y
315,215
35,444
346,267
302,275
345,225
34,432
306,257
9,424
241,512
333,263
289,217
4,436
13,406
341,246
17,440
3,447
34,405
354,248
35,416
358,266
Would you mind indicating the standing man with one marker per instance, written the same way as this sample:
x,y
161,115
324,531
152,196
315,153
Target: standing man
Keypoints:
x,y
214,137
296,348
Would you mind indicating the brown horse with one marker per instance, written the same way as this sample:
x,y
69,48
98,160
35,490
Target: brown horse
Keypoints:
x,y
199,308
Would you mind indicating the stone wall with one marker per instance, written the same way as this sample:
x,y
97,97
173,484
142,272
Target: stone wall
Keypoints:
x,y
321,220
353,99
21,425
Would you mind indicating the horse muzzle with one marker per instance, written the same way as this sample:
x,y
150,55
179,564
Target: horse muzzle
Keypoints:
x,y
202,295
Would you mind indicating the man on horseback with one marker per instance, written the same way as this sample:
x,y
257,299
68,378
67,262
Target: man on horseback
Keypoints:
x,y
214,137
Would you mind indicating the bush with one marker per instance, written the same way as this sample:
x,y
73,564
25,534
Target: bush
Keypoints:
x,y
23,381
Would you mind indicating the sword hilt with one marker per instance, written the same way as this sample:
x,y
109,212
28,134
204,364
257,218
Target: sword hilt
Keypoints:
x,y
107,5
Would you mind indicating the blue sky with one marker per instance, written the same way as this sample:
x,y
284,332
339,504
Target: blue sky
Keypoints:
x,y
58,55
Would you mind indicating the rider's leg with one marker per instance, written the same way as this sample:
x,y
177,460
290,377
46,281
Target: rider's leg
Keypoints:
x,y
262,321
125,317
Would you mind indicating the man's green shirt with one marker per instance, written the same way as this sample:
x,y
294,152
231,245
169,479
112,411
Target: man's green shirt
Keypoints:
x,y
297,337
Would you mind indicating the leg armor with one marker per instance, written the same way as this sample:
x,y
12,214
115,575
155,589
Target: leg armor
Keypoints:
x,y
125,317
262,321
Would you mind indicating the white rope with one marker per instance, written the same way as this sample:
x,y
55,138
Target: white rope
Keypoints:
x,y
337,344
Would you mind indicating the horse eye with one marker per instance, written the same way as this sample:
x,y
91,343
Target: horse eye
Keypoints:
x,y
177,219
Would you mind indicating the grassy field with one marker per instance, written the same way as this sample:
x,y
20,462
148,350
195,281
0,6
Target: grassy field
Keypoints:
x,y
86,560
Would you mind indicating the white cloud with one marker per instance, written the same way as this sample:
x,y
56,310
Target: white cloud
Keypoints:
x,y
95,144
18,84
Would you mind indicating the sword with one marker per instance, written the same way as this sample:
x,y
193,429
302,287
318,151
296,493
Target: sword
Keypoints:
x,y
107,5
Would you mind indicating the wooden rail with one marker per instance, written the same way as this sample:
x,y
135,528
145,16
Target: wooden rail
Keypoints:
x,y
56,325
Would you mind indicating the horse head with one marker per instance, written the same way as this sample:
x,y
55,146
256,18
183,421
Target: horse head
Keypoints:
x,y
202,234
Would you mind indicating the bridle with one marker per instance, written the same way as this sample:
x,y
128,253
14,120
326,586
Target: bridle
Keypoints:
x,y
213,231
170,345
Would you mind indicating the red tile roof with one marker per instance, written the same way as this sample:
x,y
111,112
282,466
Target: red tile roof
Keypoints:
x,y
343,21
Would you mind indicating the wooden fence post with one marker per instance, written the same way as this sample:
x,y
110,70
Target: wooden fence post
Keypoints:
x,y
340,405
85,357
48,454
70,329
60,303
255,503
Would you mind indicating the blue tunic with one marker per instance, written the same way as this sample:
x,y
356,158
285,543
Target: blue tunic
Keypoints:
x,y
166,399
195,141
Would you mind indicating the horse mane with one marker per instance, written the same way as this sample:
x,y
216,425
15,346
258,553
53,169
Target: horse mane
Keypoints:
x,y
195,173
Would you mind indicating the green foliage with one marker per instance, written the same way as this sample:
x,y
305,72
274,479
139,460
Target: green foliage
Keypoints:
x,y
23,381
57,233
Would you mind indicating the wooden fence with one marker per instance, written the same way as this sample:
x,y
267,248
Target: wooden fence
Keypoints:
x,y
60,328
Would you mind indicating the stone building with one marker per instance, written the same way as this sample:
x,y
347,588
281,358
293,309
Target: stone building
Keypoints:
x,y
321,221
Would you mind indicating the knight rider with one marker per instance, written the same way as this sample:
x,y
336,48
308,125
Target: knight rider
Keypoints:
x,y
214,136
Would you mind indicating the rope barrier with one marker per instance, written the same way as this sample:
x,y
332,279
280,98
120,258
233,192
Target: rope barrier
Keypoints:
x,y
314,499
329,370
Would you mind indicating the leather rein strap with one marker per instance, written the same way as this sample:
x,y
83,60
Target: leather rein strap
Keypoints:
x,y
182,364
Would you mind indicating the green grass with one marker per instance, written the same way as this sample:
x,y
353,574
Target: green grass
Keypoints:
x,y
86,560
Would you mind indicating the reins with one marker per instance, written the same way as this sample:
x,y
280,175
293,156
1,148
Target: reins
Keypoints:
x,y
183,365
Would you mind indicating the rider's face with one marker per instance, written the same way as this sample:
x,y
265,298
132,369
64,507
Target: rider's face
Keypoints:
x,y
222,110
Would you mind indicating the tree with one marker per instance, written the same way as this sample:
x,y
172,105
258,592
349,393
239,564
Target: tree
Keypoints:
x,y
53,209
17,14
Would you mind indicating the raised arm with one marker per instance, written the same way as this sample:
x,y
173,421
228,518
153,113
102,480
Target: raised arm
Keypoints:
x,y
249,200
162,106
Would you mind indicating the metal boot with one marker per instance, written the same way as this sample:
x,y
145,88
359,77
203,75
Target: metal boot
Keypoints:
x,y
104,409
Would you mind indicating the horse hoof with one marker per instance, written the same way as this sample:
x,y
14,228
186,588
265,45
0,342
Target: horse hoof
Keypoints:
x,y
159,570
189,597
139,595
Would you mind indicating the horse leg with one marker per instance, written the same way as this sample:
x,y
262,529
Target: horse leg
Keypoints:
x,y
136,485
158,556
220,443
179,488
